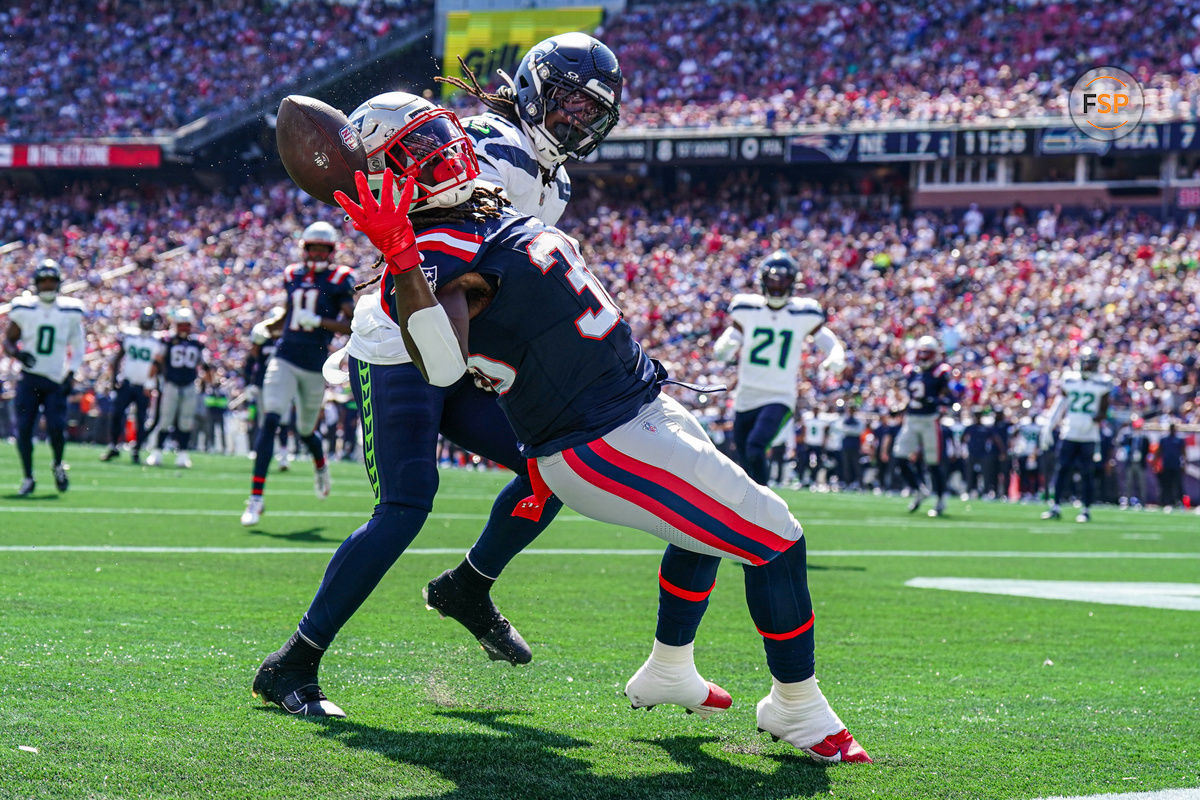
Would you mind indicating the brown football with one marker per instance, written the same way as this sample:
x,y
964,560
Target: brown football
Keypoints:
x,y
319,147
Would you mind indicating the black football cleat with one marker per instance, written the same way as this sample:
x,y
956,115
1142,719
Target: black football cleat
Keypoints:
x,y
295,690
476,612
27,487
110,454
60,478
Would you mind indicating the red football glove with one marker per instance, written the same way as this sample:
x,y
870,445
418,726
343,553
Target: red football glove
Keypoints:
x,y
385,223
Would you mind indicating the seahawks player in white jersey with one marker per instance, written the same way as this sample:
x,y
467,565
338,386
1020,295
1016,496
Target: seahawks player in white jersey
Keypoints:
x,y
767,334
136,353
45,333
540,119
1080,407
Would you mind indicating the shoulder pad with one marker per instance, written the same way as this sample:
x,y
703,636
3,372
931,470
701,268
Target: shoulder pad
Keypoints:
x,y
24,301
1071,375
289,272
804,305
69,303
909,369
743,301
941,369
340,274
450,240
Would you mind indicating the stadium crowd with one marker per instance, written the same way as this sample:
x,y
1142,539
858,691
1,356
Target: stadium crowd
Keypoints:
x,y
1010,296
71,70
699,64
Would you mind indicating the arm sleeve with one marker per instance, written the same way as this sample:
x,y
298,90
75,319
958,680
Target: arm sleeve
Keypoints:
x,y
728,344
78,345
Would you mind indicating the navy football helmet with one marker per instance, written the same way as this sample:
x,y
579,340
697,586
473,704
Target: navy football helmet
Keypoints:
x,y
148,320
48,270
1089,362
777,277
568,96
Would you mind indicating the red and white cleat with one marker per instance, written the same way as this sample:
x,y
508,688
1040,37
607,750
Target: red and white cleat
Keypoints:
x,y
838,747
649,688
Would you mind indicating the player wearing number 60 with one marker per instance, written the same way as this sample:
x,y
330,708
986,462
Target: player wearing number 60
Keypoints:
x,y
584,399
45,333
319,303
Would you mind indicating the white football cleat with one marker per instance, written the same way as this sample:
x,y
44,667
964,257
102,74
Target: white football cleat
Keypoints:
x,y
809,725
322,483
183,461
650,686
254,510
283,460
155,459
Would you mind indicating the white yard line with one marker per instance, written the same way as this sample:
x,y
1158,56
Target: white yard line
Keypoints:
x,y
1165,794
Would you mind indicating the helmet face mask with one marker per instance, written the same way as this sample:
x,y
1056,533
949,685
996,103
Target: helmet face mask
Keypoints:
x,y
568,96
148,320
1089,362
318,243
928,351
416,139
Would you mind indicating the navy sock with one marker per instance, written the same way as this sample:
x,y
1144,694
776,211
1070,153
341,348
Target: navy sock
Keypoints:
x,y
25,449
185,439
777,596
505,535
938,478
685,580
357,567
909,472
313,443
263,450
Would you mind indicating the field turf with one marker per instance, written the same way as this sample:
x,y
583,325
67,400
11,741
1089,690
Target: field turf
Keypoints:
x,y
136,610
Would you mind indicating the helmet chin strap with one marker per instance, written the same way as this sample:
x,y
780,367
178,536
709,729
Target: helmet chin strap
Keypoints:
x,y
48,296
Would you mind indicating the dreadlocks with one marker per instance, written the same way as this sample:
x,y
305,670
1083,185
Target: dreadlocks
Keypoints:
x,y
503,101
484,203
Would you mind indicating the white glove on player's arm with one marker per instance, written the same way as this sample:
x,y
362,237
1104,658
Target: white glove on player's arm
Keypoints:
x,y
835,358
728,344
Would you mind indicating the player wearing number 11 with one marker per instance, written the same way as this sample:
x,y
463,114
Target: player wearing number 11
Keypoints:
x,y
319,303
45,333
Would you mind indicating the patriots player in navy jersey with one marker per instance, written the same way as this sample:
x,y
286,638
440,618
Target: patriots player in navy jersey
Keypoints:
x,y
927,383
178,364
320,303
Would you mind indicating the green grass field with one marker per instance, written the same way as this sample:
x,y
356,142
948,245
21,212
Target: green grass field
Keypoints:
x,y
136,610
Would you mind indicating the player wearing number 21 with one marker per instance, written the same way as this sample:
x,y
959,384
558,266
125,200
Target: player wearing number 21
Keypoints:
x,y
768,334
45,334
319,304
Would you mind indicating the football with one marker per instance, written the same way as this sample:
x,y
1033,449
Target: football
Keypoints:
x,y
319,147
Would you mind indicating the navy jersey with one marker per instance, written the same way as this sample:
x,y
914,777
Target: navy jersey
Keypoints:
x,y
926,388
552,343
182,359
311,292
256,366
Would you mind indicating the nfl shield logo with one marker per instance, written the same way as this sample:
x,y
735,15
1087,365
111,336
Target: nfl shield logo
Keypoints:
x,y
649,428
349,137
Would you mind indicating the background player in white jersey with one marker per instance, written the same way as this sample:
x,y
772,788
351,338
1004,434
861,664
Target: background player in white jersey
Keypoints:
x,y
1081,406
45,333
138,349
178,365
535,123
767,334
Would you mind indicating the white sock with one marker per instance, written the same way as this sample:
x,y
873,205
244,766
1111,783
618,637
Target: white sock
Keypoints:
x,y
805,699
673,657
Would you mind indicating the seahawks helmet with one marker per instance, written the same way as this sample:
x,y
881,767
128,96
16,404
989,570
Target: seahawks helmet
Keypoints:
x,y
417,139
322,235
1089,362
47,270
928,351
777,277
148,319
568,96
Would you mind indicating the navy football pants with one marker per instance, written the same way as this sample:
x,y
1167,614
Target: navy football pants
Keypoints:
x,y
35,394
128,395
1074,457
753,432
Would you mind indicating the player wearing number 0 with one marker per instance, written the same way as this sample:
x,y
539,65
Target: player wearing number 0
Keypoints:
x,y
178,366
767,335
584,400
1081,406
927,382
136,354
320,303
45,333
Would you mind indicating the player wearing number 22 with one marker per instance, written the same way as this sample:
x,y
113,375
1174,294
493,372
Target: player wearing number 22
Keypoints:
x,y
45,333
320,303
767,334
1081,407
584,399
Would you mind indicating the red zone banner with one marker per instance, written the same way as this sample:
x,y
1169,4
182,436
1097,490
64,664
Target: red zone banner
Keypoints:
x,y
79,156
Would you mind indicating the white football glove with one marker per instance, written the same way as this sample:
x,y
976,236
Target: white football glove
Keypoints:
x,y
306,319
252,394
832,366
1045,439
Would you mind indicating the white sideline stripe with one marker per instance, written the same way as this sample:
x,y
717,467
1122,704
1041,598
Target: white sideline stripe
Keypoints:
x,y
231,513
1165,794
583,551
1172,596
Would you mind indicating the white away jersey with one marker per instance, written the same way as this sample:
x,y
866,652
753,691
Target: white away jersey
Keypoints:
x,y
51,332
506,160
140,350
773,343
1082,396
